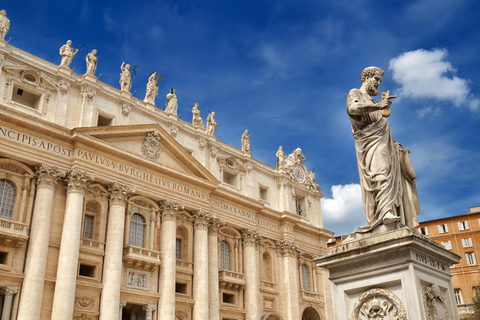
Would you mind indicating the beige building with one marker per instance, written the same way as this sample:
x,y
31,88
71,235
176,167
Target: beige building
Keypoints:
x,y
113,209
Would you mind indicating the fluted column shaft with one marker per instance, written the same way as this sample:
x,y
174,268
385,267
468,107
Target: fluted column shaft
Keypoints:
x,y
200,266
168,238
7,302
213,287
112,266
65,284
36,261
252,289
288,251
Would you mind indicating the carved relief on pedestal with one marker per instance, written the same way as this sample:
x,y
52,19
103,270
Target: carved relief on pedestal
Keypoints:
x,y
137,280
378,304
86,303
151,146
88,94
434,303
181,315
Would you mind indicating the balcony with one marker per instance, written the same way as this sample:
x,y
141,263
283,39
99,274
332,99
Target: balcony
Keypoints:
x,y
310,296
91,245
231,280
267,286
184,266
141,258
13,233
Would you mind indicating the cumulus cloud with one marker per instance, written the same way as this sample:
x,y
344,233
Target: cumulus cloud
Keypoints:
x,y
344,211
428,74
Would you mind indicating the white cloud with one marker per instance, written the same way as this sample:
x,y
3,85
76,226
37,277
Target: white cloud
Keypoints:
x,y
431,111
427,74
344,211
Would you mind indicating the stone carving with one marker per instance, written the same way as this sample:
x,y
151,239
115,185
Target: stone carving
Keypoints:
x,y
31,76
148,308
63,87
246,141
386,175
281,158
151,146
311,182
201,219
67,53
88,94
172,104
250,237
298,172
78,181
181,315
378,304
170,208
215,225
4,24
9,167
213,152
201,143
197,120
86,302
10,290
125,78
211,124
152,89
48,176
91,62
126,109
119,193
174,131
137,280
434,303
83,316
286,248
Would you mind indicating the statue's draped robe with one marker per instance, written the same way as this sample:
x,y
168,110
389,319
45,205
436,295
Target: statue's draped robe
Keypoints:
x,y
385,188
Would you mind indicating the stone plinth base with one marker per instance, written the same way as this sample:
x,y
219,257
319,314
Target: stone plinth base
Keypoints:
x,y
393,272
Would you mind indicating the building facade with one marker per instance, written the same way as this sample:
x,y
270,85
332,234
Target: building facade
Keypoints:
x,y
460,234
114,209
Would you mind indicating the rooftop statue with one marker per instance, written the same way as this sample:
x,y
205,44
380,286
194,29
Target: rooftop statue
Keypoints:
x,y
152,89
281,158
125,78
4,24
172,104
211,124
246,141
67,53
91,62
386,174
197,120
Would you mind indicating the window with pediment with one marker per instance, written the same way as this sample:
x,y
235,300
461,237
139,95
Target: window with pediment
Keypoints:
x,y
7,199
230,250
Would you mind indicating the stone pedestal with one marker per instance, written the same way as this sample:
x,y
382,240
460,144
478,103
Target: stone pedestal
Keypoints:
x,y
393,272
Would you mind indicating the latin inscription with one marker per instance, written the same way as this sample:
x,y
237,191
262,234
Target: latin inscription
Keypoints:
x,y
426,260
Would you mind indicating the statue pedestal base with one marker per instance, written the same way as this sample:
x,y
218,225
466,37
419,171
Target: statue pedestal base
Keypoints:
x,y
65,70
149,105
89,77
392,269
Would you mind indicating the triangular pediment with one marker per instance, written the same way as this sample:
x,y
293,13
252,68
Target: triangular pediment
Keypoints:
x,y
149,143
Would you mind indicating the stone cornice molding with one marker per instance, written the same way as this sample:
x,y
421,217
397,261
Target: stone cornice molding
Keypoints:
x,y
48,176
214,227
286,248
250,237
10,290
170,209
120,193
201,219
78,181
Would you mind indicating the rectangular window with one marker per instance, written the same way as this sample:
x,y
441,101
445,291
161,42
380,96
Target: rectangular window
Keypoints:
x,y
228,298
180,287
26,98
467,242
442,228
88,227
423,231
230,179
463,225
104,121
300,206
86,271
447,245
458,296
263,193
178,249
470,256
3,257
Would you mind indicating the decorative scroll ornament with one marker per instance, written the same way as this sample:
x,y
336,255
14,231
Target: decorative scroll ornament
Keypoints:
x,y
88,94
151,146
434,303
378,304
63,87
48,176
126,109
174,131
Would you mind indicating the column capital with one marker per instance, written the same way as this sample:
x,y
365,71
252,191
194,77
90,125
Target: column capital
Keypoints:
x,y
215,225
119,193
201,218
10,290
47,176
122,304
170,208
286,248
78,181
149,307
250,237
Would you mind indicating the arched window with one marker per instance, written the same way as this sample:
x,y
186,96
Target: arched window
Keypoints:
x,y
267,274
305,278
7,199
224,256
137,230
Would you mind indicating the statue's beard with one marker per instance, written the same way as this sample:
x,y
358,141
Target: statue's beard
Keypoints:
x,y
371,89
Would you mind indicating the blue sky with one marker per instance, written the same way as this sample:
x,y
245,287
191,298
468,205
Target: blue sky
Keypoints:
x,y
282,69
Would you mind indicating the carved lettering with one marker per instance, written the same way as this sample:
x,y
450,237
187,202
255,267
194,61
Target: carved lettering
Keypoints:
x,y
426,260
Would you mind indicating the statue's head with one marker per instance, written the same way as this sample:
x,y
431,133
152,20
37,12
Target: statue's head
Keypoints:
x,y
195,105
127,66
94,51
280,148
69,42
371,78
3,13
436,290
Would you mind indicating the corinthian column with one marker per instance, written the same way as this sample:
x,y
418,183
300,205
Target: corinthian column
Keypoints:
x,y
112,266
36,262
200,265
213,288
252,288
168,238
288,250
149,308
64,297
7,302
